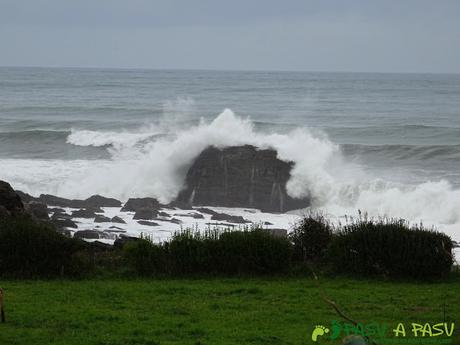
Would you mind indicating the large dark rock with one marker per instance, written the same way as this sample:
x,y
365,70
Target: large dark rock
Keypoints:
x,y
84,213
136,204
26,197
62,223
10,202
38,209
97,201
229,218
240,176
117,219
101,219
88,234
145,213
93,202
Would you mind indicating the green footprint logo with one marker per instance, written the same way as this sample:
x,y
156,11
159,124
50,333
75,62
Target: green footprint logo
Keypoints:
x,y
318,331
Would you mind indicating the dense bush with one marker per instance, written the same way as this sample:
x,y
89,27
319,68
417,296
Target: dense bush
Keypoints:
x,y
311,238
392,248
188,252
30,249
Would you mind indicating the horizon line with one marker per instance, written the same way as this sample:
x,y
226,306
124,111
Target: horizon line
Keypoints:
x,y
219,70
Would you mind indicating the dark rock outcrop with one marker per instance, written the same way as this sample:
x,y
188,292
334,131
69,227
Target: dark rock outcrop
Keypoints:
x,y
84,213
64,223
123,239
229,218
147,223
97,201
93,202
117,219
26,197
10,202
88,234
145,213
136,204
38,209
101,219
240,176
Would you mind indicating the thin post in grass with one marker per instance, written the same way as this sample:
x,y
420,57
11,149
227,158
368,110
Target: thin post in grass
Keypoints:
x,y
2,310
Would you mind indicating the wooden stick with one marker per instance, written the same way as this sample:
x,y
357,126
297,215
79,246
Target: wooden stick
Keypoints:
x,y
334,305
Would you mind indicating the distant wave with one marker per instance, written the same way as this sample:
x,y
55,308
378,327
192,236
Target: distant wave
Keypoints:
x,y
403,152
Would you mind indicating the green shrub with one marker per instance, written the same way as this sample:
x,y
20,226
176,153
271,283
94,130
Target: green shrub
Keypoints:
x,y
29,249
390,247
145,257
311,237
212,252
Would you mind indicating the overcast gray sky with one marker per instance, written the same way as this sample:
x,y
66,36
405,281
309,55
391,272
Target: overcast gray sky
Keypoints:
x,y
322,35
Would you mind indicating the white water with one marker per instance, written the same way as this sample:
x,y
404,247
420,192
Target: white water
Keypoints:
x,y
145,164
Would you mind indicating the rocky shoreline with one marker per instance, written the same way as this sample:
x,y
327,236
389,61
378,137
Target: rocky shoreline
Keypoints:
x,y
229,188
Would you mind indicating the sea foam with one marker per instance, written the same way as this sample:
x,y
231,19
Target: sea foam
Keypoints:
x,y
154,161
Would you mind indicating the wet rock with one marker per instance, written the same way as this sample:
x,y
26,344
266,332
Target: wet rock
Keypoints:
x,y
101,219
147,223
56,210
240,176
10,202
191,215
93,202
145,214
268,223
115,227
26,198
163,214
117,219
84,213
64,223
206,211
87,234
97,201
181,205
57,215
38,209
123,239
137,204
229,218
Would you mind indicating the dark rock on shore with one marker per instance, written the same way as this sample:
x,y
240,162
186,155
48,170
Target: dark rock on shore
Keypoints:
x,y
64,223
194,215
38,209
136,204
101,219
10,202
97,201
145,214
240,176
123,239
148,223
88,234
229,218
84,213
26,197
181,205
93,202
117,219
206,211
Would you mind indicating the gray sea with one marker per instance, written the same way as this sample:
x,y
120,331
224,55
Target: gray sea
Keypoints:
x,y
388,143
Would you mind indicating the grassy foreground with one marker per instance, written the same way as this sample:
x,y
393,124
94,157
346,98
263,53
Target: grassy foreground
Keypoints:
x,y
210,311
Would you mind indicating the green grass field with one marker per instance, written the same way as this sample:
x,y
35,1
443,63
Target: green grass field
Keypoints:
x,y
211,311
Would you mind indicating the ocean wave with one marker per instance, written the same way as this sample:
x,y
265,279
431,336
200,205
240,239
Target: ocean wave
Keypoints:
x,y
403,152
118,140
152,162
